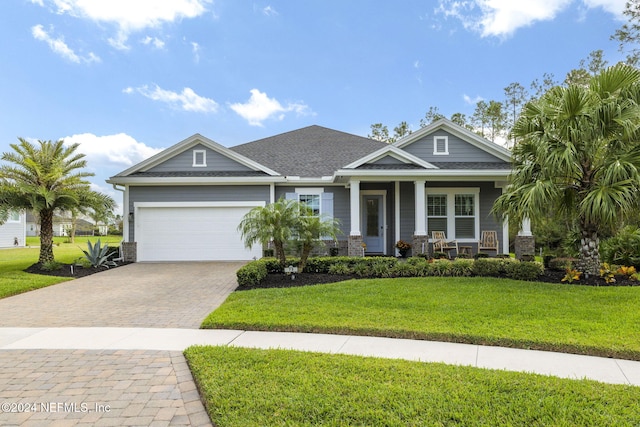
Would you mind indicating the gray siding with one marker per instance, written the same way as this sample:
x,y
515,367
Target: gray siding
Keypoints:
x,y
459,150
407,211
387,160
184,162
195,193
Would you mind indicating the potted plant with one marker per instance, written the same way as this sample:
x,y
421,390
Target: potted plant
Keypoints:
x,y
403,248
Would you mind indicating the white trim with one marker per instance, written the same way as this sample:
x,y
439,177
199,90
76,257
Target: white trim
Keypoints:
x,y
390,150
310,190
252,204
197,164
396,194
194,180
451,225
420,208
437,138
184,145
382,193
354,207
125,214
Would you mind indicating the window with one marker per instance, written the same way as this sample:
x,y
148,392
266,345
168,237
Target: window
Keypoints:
x,y
199,158
14,216
454,211
440,145
312,201
465,216
437,212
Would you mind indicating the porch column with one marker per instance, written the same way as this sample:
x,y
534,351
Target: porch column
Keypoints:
x,y
420,243
420,209
355,236
525,245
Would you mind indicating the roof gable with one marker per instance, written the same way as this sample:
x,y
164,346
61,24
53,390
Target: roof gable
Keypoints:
x,y
463,145
179,159
389,157
313,151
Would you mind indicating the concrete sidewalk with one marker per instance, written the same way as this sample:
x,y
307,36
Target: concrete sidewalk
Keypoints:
x,y
613,371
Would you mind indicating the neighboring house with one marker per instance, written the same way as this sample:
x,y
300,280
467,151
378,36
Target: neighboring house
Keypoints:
x,y
186,202
13,230
61,226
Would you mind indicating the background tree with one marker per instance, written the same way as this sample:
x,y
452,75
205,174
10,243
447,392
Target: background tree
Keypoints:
x,y
515,97
480,118
628,36
582,75
461,120
540,87
497,120
579,153
43,178
379,132
401,130
432,115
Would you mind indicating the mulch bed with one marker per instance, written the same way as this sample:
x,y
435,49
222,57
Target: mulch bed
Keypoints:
x,y
66,271
306,279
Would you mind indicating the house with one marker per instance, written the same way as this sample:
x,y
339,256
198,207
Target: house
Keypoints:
x,y
62,225
13,231
186,202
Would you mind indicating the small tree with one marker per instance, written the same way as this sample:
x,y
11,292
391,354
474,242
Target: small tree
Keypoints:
x,y
43,178
274,222
311,229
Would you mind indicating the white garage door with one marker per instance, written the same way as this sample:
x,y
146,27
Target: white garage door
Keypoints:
x,y
191,233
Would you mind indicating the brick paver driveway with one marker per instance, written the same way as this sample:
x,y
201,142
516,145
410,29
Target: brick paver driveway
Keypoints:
x,y
102,387
149,295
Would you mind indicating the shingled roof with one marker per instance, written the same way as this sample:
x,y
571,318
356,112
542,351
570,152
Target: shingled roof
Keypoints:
x,y
313,151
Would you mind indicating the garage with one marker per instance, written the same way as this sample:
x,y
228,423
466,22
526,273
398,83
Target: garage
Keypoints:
x,y
198,231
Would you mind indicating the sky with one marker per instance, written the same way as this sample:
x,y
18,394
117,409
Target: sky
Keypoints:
x,y
127,78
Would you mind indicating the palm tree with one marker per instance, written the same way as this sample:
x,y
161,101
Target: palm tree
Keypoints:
x,y
275,222
43,177
312,229
578,151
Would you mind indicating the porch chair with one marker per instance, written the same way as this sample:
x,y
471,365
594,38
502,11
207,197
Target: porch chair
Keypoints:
x,y
489,241
441,244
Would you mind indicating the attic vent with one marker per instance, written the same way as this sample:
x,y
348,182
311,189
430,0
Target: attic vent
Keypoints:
x,y
440,145
199,158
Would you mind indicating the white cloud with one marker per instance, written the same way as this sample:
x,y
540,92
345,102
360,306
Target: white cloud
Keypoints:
x,y
186,100
195,48
129,16
260,107
59,46
471,101
501,18
120,150
270,11
154,41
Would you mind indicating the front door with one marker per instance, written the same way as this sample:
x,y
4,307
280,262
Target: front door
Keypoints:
x,y
373,222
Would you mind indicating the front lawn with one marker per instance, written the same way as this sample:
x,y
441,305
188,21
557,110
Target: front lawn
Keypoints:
x,y
250,387
12,261
599,321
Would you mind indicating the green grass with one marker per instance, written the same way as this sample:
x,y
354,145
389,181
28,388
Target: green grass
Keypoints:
x,y
578,319
12,261
249,387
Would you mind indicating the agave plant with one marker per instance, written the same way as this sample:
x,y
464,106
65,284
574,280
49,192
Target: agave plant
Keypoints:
x,y
97,255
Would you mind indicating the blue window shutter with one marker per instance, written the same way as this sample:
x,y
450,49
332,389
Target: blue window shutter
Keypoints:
x,y
327,205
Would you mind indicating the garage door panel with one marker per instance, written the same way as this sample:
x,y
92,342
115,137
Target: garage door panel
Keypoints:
x,y
191,234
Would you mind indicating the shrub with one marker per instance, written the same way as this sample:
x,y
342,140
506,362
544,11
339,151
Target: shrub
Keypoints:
x,y
51,266
486,267
607,273
340,268
441,267
440,255
403,269
98,255
463,256
253,273
462,267
571,275
361,269
623,248
416,260
561,264
481,255
526,270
